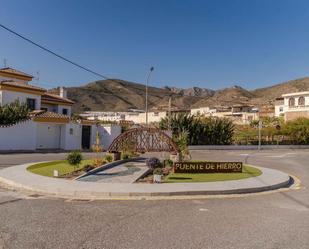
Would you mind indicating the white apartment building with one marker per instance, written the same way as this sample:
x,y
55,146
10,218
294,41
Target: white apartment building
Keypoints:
x,y
292,105
239,114
50,125
203,111
137,117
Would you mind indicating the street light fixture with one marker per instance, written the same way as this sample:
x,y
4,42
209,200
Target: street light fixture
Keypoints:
x,y
146,105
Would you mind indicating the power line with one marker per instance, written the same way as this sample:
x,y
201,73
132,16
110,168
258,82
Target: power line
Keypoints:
x,y
53,53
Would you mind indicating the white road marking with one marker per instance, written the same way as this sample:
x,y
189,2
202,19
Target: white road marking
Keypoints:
x,y
204,210
283,155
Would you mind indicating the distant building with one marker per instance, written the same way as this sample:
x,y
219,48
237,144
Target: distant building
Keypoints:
x,y
292,105
134,116
266,111
239,114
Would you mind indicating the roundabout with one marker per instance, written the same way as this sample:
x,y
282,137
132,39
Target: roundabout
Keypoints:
x,y
88,187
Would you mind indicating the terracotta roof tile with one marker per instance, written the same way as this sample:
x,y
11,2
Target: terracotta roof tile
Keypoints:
x,y
21,85
47,114
14,71
53,97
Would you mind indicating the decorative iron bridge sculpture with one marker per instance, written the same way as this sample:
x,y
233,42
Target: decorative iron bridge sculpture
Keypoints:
x,y
143,140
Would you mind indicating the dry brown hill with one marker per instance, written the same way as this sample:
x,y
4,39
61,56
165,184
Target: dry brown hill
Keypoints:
x,y
227,97
120,95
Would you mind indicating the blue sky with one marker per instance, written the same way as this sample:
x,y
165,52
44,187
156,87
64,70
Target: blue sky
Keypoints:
x,y
212,44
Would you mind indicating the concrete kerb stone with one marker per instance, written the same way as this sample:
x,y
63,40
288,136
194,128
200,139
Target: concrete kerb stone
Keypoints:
x,y
17,177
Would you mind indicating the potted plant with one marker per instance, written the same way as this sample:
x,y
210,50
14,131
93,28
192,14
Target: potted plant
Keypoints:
x,y
157,175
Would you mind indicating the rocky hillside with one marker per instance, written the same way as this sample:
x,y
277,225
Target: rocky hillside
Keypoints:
x,y
120,95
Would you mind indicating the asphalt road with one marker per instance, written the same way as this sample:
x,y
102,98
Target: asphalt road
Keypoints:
x,y
277,220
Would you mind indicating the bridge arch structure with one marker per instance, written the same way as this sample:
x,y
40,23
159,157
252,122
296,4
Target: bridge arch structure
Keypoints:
x,y
143,140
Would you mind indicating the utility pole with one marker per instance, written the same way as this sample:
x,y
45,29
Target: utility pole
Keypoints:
x,y
169,114
146,104
260,127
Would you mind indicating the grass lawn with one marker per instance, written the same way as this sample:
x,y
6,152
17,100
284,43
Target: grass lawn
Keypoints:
x,y
47,169
212,177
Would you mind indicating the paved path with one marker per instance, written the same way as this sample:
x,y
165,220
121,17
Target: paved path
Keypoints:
x,y
124,173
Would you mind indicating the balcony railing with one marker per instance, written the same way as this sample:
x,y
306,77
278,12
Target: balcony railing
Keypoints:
x,y
298,107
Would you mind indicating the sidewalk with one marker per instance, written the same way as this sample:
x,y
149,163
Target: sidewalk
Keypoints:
x,y
17,177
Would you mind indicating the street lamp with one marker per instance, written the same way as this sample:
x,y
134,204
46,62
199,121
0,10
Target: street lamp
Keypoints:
x,y
146,105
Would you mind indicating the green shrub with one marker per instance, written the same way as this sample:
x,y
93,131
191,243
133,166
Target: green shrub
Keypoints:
x,y
74,158
108,158
168,163
125,156
157,171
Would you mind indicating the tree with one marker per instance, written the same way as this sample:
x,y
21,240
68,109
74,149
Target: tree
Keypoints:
x,y
201,130
13,113
182,142
298,130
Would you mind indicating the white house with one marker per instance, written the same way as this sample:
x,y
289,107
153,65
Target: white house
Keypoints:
x,y
292,105
50,125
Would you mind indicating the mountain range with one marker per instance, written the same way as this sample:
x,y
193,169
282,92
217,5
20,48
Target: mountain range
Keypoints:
x,y
121,95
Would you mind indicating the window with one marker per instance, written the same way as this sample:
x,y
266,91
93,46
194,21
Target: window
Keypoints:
x,y
31,104
65,111
301,101
291,102
281,109
71,131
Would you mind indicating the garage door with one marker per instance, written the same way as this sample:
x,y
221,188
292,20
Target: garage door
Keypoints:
x,y
48,136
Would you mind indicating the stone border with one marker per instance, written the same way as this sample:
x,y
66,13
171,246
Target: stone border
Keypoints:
x,y
17,177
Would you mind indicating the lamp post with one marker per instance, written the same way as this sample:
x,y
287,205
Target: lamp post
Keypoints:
x,y
146,104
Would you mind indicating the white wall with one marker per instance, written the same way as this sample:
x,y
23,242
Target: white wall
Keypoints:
x,y
10,96
107,134
61,107
199,111
50,108
57,108
71,136
21,136
278,113
48,136
140,118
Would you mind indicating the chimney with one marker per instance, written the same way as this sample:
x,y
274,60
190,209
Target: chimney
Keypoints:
x,y
63,92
